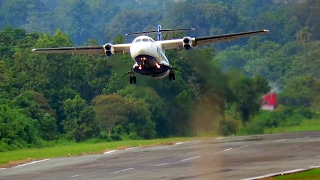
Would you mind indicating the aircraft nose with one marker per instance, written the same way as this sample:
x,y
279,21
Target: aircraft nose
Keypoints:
x,y
141,48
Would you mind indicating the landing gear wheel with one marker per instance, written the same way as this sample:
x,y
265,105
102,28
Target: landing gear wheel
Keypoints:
x,y
172,76
133,80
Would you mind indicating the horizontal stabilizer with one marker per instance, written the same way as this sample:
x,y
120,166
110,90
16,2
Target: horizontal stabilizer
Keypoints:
x,y
156,31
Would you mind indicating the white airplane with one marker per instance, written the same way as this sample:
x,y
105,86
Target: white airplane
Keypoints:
x,y
149,56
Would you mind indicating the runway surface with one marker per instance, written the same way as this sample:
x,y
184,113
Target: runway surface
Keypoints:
x,y
222,158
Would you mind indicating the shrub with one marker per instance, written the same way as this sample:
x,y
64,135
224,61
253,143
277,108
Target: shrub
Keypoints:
x,y
255,128
116,137
294,120
228,126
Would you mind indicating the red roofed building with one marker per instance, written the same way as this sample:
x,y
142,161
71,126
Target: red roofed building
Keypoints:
x,y
269,101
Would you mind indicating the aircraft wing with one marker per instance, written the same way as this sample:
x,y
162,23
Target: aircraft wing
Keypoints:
x,y
118,48
199,41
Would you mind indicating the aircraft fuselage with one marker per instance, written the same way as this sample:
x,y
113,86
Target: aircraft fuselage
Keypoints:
x,y
149,58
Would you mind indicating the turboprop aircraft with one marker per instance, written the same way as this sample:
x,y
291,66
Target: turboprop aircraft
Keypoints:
x,y
148,54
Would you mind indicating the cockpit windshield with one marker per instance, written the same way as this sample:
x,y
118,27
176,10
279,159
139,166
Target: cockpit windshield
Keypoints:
x,y
143,40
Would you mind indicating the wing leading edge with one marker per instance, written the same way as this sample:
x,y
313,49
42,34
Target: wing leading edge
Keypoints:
x,y
200,41
226,37
118,48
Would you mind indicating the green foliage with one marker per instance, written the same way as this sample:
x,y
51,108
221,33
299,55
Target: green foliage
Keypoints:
x,y
17,130
218,89
229,126
300,92
110,110
79,124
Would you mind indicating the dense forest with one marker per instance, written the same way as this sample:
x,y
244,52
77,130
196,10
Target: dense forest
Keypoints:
x,y
48,98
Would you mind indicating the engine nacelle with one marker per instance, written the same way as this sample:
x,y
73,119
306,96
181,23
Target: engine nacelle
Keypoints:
x,y
108,49
187,43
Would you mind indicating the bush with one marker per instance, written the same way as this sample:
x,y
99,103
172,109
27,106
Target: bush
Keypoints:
x,y
269,119
134,136
118,130
305,112
228,126
116,137
294,120
255,128
104,135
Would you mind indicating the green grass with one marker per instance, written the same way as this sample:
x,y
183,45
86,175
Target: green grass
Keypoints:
x,y
14,157
306,125
306,175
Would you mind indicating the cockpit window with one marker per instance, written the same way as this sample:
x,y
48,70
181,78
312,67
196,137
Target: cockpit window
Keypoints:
x,y
143,40
151,40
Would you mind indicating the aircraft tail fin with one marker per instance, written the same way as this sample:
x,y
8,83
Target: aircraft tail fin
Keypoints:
x,y
159,31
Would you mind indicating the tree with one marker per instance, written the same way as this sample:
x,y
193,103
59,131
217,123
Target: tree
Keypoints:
x,y
303,37
247,93
300,92
110,110
37,108
16,129
80,121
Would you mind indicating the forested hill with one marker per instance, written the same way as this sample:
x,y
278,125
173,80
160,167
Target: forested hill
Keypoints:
x,y
44,98
102,20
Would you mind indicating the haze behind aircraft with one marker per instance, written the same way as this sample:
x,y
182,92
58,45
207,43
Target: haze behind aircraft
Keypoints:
x,y
149,56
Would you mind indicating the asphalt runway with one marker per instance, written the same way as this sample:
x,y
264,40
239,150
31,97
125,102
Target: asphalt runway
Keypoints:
x,y
222,158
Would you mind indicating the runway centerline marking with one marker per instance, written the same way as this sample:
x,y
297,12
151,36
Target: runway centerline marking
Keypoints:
x,y
3,168
116,172
188,159
231,149
75,176
163,164
280,140
227,149
33,162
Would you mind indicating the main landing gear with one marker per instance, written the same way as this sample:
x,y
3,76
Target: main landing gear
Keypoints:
x,y
133,79
172,76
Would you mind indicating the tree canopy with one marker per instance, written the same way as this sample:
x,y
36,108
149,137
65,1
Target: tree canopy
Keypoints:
x,y
45,97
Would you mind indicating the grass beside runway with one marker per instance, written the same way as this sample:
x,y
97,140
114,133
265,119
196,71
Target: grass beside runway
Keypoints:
x,y
306,125
306,175
12,158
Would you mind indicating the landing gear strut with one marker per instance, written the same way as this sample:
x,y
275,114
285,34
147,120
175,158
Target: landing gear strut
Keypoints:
x,y
133,79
